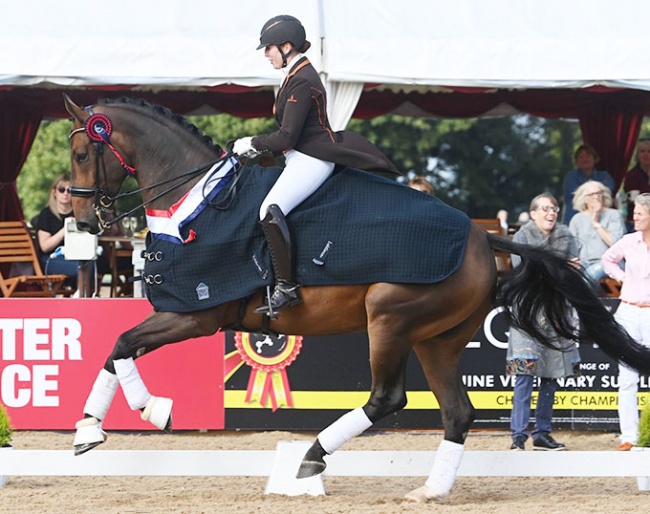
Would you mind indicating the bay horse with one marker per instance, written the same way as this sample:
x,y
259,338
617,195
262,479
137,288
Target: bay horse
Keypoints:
x,y
168,156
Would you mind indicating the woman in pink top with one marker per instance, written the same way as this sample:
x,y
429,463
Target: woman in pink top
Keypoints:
x,y
634,310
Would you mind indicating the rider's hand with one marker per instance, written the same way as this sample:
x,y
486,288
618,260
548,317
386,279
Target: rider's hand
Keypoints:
x,y
244,147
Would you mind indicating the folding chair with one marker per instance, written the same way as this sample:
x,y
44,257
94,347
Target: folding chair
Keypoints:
x,y
17,247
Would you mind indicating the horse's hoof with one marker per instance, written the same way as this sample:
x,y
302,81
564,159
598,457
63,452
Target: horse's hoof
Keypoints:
x,y
159,412
422,495
89,434
80,449
310,468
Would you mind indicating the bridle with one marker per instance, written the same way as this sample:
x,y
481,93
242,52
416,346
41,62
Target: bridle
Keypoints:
x,y
98,128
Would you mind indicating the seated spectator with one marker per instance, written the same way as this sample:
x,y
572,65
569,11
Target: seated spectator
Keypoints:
x,y
422,184
50,231
596,226
502,216
585,158
637,179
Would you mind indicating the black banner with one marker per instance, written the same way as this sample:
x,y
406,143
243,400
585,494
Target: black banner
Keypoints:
x,y
295,383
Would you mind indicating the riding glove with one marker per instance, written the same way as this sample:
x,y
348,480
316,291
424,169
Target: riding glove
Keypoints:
x,y
244,147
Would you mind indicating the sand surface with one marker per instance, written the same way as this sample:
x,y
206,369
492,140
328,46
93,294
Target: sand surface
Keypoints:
x,y
345,495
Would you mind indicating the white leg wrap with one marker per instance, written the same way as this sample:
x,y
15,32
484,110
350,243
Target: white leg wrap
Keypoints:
x,y
158,411
101,395
442,476
89,430
444,469
343,429
135,391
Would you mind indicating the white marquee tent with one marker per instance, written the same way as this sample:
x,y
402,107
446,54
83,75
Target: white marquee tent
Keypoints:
x,y
583,58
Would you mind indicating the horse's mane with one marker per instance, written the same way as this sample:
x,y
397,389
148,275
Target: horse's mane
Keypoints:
x,y
165,113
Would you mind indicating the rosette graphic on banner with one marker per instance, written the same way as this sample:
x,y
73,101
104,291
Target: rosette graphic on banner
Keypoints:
x,y
268,357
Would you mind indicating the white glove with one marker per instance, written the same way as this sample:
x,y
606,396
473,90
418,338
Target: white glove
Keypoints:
x,y
244,147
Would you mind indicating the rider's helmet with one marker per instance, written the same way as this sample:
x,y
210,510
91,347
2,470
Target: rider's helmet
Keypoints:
x,y
282,29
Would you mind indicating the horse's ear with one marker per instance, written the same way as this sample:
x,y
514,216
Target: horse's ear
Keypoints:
x,y
75,111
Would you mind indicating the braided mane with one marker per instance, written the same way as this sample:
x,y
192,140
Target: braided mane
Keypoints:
x,y
165,113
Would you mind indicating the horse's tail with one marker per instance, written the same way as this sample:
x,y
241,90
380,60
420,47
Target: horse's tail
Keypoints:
x,y
540,289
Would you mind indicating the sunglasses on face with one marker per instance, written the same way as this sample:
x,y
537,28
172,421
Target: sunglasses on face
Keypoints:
x,y
596,193
62,189
549,208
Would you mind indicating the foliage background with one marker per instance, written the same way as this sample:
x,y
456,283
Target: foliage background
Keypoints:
x,y
476,165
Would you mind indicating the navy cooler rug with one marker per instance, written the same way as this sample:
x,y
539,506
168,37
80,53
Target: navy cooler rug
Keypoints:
x,y
357,228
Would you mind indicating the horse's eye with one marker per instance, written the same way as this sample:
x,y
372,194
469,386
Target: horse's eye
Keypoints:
x,y
81,157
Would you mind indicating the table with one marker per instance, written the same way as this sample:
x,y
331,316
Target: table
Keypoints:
x,y
114,248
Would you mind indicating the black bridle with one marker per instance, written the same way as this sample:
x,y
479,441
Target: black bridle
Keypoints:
x,y
98,128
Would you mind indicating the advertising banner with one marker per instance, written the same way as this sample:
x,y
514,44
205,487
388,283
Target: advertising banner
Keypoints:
x,y
52,349
51,352
327,376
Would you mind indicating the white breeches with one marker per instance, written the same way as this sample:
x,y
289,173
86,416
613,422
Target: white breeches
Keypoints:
x,y
302,176
636,321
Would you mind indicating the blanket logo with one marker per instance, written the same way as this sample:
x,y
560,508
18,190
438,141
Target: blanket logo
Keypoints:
x,y
202,291
268,357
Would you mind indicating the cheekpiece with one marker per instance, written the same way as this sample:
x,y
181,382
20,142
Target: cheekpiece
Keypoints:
x,y
99,128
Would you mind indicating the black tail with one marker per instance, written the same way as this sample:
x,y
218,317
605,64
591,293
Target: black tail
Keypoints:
x,y
542,285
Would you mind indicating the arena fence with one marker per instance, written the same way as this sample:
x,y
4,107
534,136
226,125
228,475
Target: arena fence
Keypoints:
x,y
280,465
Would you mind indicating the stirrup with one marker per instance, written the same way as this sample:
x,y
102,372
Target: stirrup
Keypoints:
x,y
267,308
289,296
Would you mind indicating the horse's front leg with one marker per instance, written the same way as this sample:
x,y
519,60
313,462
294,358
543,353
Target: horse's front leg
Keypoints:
x,y
159,329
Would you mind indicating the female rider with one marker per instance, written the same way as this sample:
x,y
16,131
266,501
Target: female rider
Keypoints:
x,y
311,149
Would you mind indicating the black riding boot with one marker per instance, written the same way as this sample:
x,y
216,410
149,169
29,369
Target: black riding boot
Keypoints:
x,y
285,292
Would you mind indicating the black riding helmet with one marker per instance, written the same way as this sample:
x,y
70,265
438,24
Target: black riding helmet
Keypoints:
x,y
282,29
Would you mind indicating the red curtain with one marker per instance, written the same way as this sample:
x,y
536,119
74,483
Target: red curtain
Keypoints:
x,y
610,119
18,126
613,132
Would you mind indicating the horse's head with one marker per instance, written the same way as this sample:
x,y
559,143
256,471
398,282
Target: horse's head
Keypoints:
x,y
96,174
109,140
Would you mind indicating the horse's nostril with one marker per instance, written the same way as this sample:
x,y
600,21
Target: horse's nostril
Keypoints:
x,y
83,226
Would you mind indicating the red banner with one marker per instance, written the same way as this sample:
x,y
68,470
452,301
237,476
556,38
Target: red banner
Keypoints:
x,y
52,349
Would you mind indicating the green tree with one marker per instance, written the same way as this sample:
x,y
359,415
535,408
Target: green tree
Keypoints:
x,y
223,128
48,158
479,165
476,165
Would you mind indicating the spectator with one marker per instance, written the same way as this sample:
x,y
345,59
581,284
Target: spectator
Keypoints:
x,y
585,158
596,226
50,232
637,179
523,218
422,184
526,358
632,313
502,216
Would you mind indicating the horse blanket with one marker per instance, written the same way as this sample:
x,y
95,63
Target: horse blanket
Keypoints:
x,y
357,228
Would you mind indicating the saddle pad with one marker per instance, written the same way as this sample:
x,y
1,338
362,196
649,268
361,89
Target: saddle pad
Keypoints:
x,y
358,228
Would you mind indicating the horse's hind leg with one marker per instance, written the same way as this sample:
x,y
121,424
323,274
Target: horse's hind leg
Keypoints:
x,y
388,355
157,330
440,358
